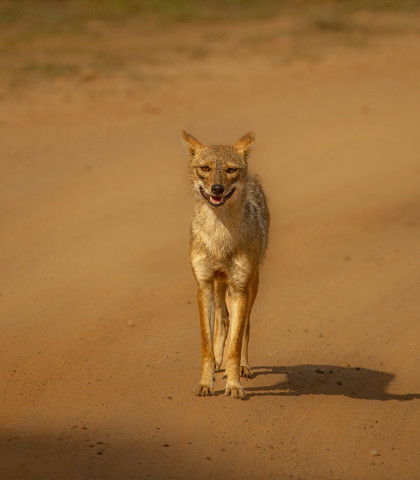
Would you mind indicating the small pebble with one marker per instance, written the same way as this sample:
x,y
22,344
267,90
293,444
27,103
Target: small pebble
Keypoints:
x,y
130,323
374,453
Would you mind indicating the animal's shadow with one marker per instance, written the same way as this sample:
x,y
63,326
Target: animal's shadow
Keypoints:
x,y
354,382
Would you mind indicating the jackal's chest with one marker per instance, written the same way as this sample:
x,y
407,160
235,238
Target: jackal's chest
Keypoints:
x,y
235,268
216,239
218,252
219,243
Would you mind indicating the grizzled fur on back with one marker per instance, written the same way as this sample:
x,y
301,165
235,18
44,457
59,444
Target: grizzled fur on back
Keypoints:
x,y
229,236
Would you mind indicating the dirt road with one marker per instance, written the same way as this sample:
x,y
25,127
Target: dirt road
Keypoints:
x,y
100,349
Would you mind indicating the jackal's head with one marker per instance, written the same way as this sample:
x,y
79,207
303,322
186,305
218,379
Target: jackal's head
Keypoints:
x,y
218,173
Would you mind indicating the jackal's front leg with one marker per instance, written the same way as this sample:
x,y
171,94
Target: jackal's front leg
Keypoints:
x,y
239,307
221,321
206,308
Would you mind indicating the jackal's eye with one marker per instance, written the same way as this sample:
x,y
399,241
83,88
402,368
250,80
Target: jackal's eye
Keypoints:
x,y
205,169
231,170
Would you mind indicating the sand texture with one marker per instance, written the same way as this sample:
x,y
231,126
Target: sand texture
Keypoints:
x,y
100,345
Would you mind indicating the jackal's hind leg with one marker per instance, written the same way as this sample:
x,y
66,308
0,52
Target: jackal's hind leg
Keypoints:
x,y
221,321
245,368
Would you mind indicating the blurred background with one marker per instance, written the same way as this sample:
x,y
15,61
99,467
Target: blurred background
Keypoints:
x,y
137,41
100,346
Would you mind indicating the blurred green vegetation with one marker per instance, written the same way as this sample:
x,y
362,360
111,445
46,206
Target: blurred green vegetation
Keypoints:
x,y
72,15
51,39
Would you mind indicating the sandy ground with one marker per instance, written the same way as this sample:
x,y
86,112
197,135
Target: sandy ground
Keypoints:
x,y
100,348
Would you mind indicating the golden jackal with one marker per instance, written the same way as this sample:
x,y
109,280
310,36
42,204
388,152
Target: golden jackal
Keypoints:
x,y
229,234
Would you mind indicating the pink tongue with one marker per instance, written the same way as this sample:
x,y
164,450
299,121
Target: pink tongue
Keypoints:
x,y
216,199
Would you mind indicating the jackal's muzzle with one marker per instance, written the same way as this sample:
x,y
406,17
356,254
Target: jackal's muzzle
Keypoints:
x,y
216,200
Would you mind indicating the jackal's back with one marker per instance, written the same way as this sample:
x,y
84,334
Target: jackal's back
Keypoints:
x,y
258,207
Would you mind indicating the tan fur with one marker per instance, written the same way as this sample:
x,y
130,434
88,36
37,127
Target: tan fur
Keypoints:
x,y
229,235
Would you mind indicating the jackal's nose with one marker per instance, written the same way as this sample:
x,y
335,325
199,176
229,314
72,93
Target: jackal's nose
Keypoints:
x,y
217,189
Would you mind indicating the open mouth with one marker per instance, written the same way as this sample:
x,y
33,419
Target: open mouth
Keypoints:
x,y
216,200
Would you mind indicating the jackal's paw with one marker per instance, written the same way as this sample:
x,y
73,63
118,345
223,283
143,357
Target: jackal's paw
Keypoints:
x,y
203,390
235,391
246,371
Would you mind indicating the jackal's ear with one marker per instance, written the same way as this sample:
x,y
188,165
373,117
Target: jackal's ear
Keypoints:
x,y
244,144
191,144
